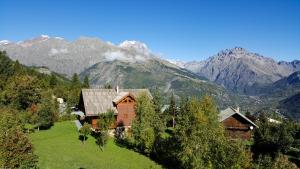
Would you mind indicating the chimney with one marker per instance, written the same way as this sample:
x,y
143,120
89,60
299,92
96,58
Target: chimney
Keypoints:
x,y
237,109
117,89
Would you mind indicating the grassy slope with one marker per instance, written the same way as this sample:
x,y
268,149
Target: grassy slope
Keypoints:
x,y
59,147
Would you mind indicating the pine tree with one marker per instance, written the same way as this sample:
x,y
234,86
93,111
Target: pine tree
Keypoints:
x,y
172,110
53,80
75,81
86,83
18,70
157,101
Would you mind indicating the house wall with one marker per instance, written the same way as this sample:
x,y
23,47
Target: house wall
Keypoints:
x,y
92,120
126,112
237,127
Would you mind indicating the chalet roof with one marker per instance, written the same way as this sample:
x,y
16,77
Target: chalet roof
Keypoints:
x,y
98,101
224,114
120,96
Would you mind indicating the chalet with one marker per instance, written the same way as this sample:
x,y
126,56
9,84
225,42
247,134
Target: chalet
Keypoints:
x,y
121,101
236,124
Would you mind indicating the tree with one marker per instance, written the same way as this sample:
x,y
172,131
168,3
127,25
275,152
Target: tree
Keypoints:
x,y
271,138
86,83
157,101
18,70
201,139
147,125
172,110
21,92
16,151
85,131
74,92
53,80
75,81
46,113
107,86
106,120
6,68
267,162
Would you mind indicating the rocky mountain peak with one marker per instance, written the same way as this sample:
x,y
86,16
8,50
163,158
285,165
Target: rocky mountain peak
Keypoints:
x,y
237,51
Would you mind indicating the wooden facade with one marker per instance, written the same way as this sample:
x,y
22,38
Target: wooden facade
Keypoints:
x,y
237,125
126,111
122,102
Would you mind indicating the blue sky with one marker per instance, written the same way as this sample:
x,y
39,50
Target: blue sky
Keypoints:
x,y
185,30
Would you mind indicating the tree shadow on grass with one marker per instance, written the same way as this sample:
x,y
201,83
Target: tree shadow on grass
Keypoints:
x,y
81,138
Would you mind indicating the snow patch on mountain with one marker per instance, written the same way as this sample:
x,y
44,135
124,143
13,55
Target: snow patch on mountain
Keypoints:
x,y
4,42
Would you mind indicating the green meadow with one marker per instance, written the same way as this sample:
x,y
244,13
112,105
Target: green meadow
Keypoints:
x,y
59,147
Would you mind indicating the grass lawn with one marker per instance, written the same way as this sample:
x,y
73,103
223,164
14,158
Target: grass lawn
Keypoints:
x,y
60,148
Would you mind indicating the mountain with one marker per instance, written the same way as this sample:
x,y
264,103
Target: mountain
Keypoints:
x,y
164,76
290,81
242,71
67,57
290,107
282,88
131,64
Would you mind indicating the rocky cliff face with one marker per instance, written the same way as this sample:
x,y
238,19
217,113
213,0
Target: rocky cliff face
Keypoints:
x,y
242,71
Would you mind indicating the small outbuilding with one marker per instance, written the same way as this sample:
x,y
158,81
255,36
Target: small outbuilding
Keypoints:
x,y
236,124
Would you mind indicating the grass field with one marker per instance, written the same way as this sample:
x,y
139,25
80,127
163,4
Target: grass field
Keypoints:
x,y
60,148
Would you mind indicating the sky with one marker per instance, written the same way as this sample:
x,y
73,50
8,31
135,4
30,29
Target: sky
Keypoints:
x,y
177,29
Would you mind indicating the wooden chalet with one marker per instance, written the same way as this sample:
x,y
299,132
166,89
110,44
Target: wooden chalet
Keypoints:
x,y
236,124
121,101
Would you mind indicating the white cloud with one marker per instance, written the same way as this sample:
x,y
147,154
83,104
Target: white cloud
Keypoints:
x,y
54,51
122,56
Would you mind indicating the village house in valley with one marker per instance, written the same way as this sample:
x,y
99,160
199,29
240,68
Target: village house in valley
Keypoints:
x,y
120,101
236,124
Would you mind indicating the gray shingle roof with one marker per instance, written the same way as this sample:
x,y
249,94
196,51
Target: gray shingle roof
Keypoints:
x,y
120,96
98,101
224,114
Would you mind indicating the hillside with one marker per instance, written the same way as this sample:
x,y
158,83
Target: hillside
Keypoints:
x,y
60,147
155,74
290,107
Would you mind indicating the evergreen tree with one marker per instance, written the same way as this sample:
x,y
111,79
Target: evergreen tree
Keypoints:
x,y
53,80
172,110
157,101
86,83
6,66
75,81
18,70
75,89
